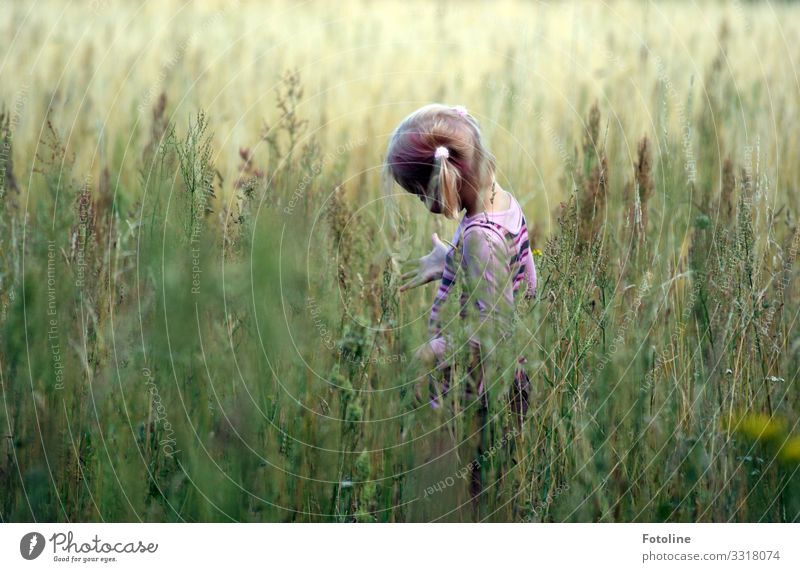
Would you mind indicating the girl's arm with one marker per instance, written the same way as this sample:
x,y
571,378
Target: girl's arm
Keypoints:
x,y
448,279
530,269
433,351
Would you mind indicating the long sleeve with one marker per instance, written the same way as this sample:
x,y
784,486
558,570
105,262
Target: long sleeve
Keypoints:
x,y
487,300
446,284
527,268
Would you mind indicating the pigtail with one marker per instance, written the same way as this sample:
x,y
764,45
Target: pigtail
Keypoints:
x,y
444,182
449,179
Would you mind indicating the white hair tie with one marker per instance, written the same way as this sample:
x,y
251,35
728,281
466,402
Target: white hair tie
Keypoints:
x,y
442,153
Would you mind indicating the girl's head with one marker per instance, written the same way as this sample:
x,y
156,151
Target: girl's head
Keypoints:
x,y
438,154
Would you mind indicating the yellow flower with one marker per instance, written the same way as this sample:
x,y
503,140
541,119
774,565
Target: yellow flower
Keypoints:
x,y
536,252
762,427
790,452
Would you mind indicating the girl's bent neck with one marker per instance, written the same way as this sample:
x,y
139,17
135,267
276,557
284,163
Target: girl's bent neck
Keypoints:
x,y
501,203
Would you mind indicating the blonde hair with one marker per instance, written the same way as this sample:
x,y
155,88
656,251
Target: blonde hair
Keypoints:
x,y
413,161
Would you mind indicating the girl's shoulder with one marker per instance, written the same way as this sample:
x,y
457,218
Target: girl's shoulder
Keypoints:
x,y
510,220
508,223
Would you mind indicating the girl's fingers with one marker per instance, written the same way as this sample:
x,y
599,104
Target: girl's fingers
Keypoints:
x,y
408,275
413,283
411,263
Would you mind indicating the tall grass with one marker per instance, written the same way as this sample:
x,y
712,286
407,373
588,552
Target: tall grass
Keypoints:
x,y
197,329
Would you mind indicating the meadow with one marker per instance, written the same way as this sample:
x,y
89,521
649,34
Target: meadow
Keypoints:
x,y
199,262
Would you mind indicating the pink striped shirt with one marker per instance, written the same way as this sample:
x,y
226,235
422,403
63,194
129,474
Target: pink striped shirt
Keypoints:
x,y
496,262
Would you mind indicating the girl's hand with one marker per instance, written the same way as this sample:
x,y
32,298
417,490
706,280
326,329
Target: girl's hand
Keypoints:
x,y
426,269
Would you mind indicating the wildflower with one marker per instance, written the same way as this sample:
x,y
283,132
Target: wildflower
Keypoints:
x,y
536,252
761,427
790,451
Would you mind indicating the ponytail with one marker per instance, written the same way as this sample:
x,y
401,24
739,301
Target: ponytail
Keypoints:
x,y
444,183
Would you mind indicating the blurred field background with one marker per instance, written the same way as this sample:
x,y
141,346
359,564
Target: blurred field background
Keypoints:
x,y
199,268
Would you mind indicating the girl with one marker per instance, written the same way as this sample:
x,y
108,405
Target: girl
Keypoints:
x,y
437,153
